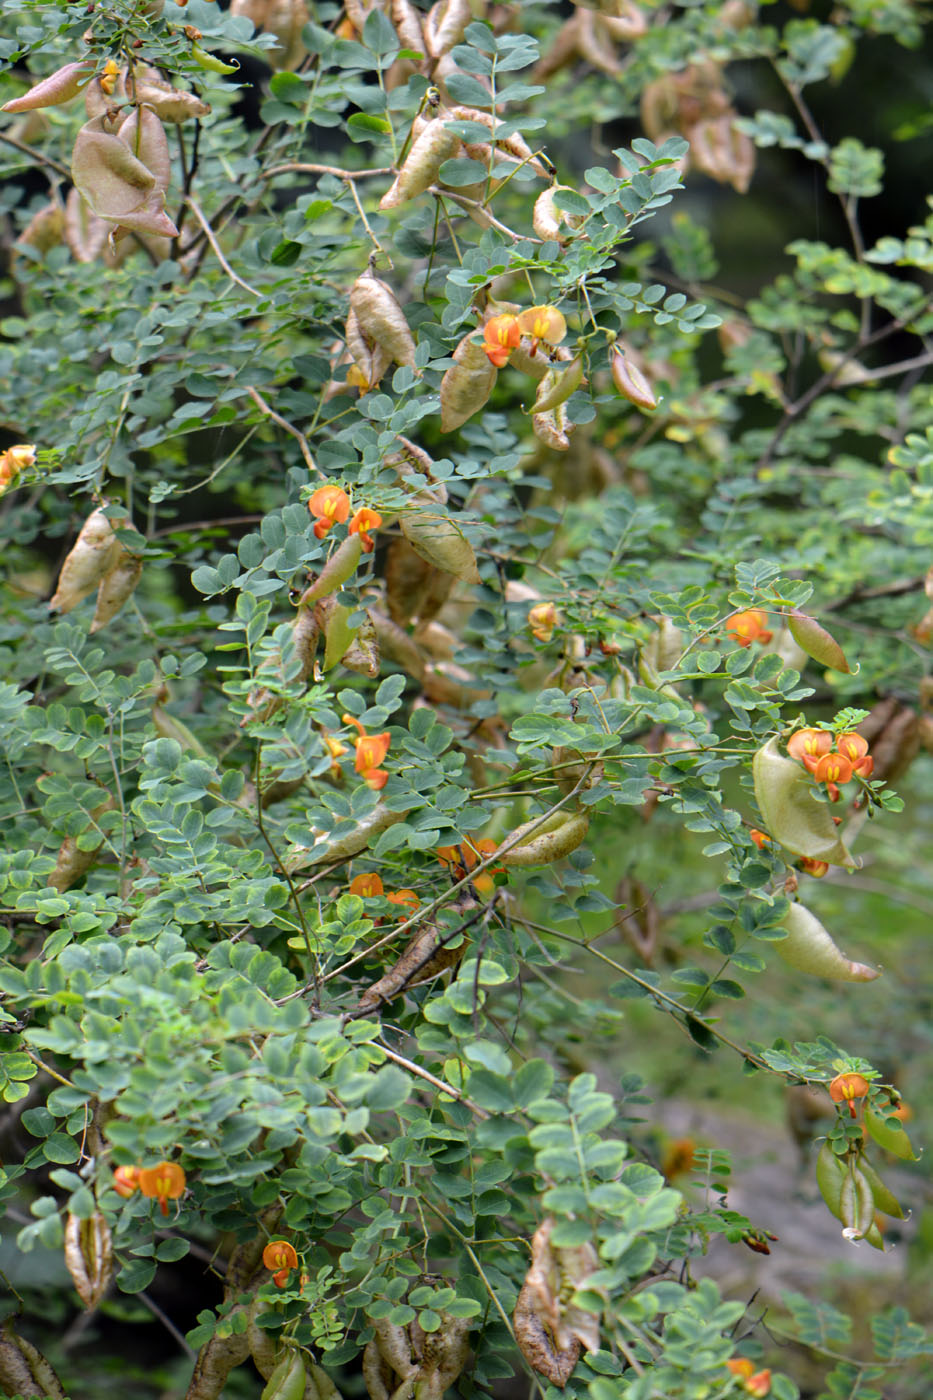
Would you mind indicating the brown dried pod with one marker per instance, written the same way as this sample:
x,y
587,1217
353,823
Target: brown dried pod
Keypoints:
x,y
100,99
444,25
595,44
414,588
625,21
896,742
59,87
422,165
381,318
563,50
466,386
24,1370
362,655
548,221
85,233
408,25
369,359
145,135
553,428
515,145
397,646
410,459
440,542
630,382
45,230
639,921
537,1345
89,1257
86,563
427,955
116,587
723,152
169,103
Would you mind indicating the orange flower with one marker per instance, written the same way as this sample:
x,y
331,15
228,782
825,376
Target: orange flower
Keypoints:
x,y
406,898
449,855
833,768
741,1366
328,503
864,767
759,1385
12,462
852,745
809,746
501,334
125,1180
165,1183
375,778
760,838
364,521
748,626
366,886
543,323
280,1256
371,750
846,1088
816,868
542,619
461,860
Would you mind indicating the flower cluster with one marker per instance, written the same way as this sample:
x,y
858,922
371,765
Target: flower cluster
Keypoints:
x,y
163,1183
371,750
330,505
502,334
749,626
370,886
461,859
831,764
756,1383
281,1258
846,1088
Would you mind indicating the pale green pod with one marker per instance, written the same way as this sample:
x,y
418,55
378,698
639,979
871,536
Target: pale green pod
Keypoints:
x,y
890,1136
809,948
340,567
830,1175
790,812
439,541
884,1198
422,164
541,843
856,1203
557,385
367,829
466,386
288,1381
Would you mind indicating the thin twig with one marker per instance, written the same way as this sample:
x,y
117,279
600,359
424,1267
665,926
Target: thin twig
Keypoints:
x,y
35,155
218,252
263,407
432,1079
167,1323
299,167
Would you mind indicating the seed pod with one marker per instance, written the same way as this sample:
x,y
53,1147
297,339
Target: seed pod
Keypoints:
x,y
856,1203
408,25
557,386
723,152
116,587
547,219
168,727
884,1200
326,850
595,45
439,541
515,145
809,948
789,810
563,50
89,1257
422,164
466,386
340,567
152,9
262,1345
546,841
378,1375
414,588
371,360
630,381
553,428
889,1134
73,862
573,766
362,655
397,646
830,1176
50,1387
324,1388
45,230
100,100
536,1343
85,233
145,136
85,565
171,104
59,87
288,1381
411,459
444,25
381,318
423,959
627,21
112,180
817,642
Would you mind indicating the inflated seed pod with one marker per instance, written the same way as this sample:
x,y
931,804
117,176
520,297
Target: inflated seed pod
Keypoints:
x,y
595,44
171,104
45,230
856,1203
889,1134
262,1345
288,1381
541,843
814,639
440,542
59,87
89,1256
338,634
627,21
381,318
340,567
790,812
408,25
553,428
444,25
884,1199
367,829
414,588
630,382
466,386
145,135
397,646
86,563
362,655
515,145
370,359
72,863
557,385
422,164
116,587
85,232
809,948
550,222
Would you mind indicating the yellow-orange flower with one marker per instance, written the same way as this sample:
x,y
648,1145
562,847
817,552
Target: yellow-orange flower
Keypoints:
x,y
461,860
759,1385
816,868
846,1088
361,524
501,334
809,746
760,838
748,626
12,462
125,1180
543,323
741,1366
371,750
280,1256
406,898
367,886
854,746
833,768
327,504
542,619
164,1183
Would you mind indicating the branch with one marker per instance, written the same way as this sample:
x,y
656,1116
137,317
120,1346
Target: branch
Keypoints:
x,y
263,407
209,234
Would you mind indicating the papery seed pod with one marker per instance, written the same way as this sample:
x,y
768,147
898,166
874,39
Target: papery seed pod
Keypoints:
x,y
407,21
595,45
116,587
372,360
630,382
24,1370
440,542
59,87
791,813
514,145
171,104
72,862
85,565
414,588
423,959
397,646
527,358
362,655
152,9
288,1381
45,230
145,136
444,25
466,386
382,319
326,850
320,1385
537,1344
85,233
572,768
856,1203
809,948
340,567
721,151
264,1350
884,1199
109,176
541,843
564,49
548,220
557,385
626,22
812,638
638,919
103,95
889,1133
89,1257
422,164
553,428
